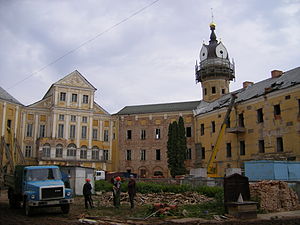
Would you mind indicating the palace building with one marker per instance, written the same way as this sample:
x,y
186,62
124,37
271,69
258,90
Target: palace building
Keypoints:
x,y
67,127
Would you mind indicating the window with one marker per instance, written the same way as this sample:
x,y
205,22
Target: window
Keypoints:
x,y
279,144
143,134
157,154
213,127
105,155
261,146
128,134
72,131
260,116
213,90
95,134
46,150
29,130
277,111
203,152
105,137
205,91
59,151
28,151
95,153
228,122
228,150
60,130
143,155
42,130
62,96
189,132
287,97
73,118
85,99
223,91
128,155
157,133
61,117
202,129
189,154
71,150
242,148
83,152
74,97
83,132
84,119
9,123
143,173
241,120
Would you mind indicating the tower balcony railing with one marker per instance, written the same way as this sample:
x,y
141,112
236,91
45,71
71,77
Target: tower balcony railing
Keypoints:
x,y
214,67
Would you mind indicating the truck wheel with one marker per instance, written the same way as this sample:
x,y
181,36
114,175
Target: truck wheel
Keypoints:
x,y
27,209
65,208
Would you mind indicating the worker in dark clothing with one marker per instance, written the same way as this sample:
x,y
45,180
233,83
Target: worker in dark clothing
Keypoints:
x,y
87,193
131,190
117,191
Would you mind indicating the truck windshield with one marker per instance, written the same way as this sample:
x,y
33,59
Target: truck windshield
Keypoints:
x,y
43,174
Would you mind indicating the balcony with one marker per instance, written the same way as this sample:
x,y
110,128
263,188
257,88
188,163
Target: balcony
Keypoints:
x,y
236,130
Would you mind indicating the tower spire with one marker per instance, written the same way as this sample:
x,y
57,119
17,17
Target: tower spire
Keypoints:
x,y
212,25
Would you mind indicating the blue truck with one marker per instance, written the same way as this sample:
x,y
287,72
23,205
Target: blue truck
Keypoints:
x,y
37,186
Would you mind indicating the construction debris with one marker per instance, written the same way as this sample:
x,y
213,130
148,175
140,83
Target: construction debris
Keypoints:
x,y
274,196
187,198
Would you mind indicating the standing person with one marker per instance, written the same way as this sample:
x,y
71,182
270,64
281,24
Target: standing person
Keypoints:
x,y
87,193
131,190
117,191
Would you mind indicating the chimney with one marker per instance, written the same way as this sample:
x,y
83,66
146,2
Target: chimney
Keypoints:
x,y
276,73
247,84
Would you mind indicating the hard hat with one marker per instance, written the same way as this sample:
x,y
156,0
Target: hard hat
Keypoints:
x,y
87,180
118,178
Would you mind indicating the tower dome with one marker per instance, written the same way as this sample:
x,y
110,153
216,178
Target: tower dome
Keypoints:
x,y
215,70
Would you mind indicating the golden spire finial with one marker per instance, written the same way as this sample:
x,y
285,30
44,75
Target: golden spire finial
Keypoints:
x,y
212,24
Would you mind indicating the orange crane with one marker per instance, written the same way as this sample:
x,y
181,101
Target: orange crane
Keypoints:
x,y
211,167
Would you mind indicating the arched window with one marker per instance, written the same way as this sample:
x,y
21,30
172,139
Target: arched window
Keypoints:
x,y
83,152
59,151
95,153
46,150
71,151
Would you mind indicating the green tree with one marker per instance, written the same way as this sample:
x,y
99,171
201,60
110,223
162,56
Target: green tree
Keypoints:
x,y
176,148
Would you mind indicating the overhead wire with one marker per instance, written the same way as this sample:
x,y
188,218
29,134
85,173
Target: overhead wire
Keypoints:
x,y
86,42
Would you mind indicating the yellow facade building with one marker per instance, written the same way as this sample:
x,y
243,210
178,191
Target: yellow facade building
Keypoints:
x,y
66,127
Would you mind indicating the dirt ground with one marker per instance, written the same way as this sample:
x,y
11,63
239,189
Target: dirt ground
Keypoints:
x,y
53,216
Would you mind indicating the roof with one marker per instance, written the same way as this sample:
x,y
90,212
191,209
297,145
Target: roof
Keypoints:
x,y
158,108
4,95
287,79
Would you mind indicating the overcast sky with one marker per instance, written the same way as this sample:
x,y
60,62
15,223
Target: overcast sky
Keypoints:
x,y
150,57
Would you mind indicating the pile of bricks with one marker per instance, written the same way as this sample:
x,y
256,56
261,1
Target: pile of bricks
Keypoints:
x,y
274,196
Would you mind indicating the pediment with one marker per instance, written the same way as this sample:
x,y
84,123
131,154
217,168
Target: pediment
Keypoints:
x,y
75,79
42,104
99,110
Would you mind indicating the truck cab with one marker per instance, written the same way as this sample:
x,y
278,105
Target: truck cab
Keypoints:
x,y
38,186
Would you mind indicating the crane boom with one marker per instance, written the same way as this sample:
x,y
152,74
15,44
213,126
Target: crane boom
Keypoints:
x,y
211,169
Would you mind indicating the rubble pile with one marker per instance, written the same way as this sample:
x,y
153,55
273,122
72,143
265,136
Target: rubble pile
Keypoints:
x,y
274,196
187,198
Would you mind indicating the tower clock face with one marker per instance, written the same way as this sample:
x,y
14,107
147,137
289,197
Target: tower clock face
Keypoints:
x,y
221,51
203,53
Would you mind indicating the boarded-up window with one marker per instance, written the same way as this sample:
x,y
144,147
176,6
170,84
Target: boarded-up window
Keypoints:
x,y
106,123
